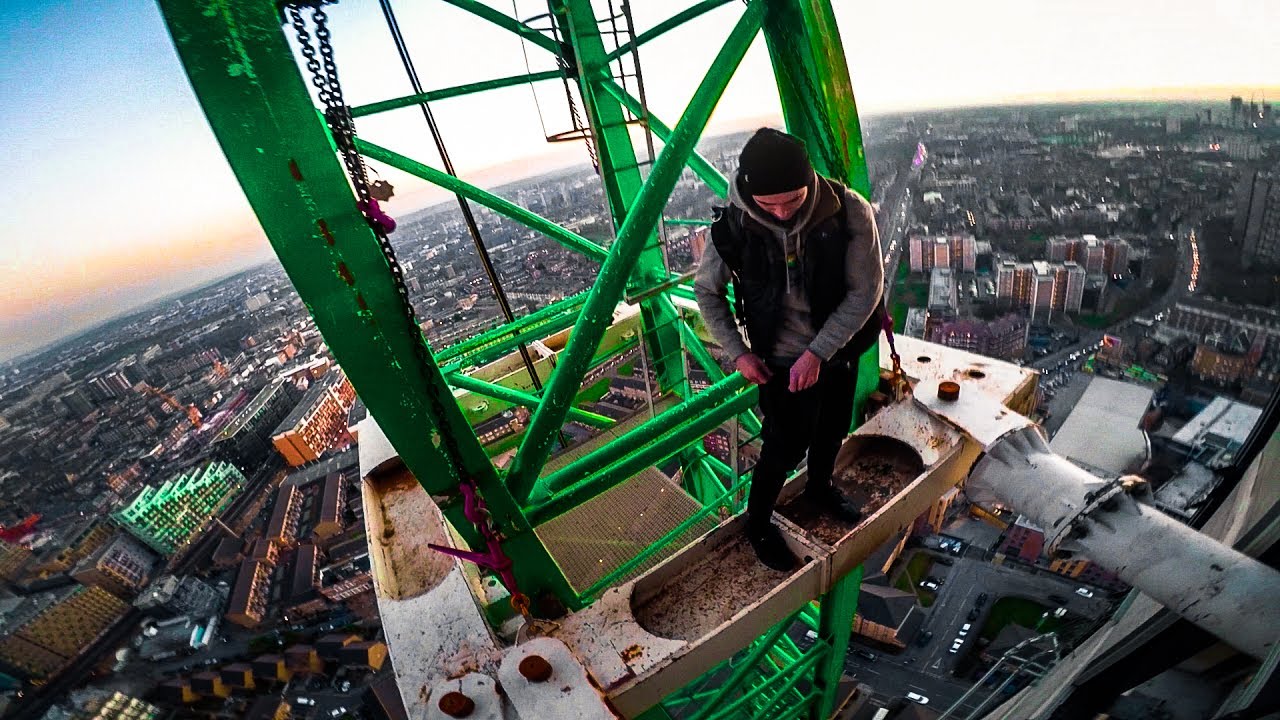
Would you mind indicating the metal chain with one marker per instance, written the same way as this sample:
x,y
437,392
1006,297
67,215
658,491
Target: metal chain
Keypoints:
x,y
338,117
341,125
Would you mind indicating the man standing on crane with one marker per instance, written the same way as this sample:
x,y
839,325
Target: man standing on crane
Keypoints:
x,y
803,254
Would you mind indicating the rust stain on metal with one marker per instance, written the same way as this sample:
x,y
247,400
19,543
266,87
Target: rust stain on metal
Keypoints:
x,y
405,522
632,652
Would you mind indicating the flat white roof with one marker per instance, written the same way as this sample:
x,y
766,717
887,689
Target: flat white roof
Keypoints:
x,y
1102,433
1224,417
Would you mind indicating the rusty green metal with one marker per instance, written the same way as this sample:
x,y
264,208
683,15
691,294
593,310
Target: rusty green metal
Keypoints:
x,y
624,251
454,92
247,81
506,208
686,411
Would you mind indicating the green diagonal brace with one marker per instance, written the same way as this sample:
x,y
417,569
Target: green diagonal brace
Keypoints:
x,y
505,208
638,438
506,22
614,273
453,92
700,166
517,397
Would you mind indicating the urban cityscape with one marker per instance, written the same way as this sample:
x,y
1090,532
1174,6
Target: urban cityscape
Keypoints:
x,y
184,534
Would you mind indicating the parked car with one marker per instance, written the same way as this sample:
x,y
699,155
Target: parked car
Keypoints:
x,y
928,585
964,629
982,599
916,697
1084,592
305,701
865,655
923,638
973,614
346,686
955,646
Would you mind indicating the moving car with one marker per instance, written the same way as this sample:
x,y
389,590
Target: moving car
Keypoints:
x,y
865,655
914,697
1084,592
305,701
928,585
923,638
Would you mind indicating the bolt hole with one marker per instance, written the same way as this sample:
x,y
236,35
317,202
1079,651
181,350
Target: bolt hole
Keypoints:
x,y
924,359
976,374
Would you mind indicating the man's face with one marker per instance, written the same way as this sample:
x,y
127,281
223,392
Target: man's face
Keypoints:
x,y
782,206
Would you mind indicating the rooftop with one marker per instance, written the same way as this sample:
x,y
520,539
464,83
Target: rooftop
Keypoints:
x,y
1102,434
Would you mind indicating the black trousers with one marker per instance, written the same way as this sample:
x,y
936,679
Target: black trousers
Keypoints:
x,y
813,421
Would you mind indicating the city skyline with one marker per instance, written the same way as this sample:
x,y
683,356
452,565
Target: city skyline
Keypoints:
x,y
125,196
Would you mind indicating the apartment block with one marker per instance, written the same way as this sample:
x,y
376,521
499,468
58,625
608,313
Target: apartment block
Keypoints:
x,y
122,567
47,642
318,422
251,594
165,517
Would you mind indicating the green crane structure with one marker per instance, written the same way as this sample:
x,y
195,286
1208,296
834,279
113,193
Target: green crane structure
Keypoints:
x,y
249,84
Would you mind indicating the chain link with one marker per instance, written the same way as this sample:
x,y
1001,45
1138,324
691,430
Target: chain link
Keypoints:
x,y
324,76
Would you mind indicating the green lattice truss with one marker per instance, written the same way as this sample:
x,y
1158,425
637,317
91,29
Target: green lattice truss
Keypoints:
x,y
248,82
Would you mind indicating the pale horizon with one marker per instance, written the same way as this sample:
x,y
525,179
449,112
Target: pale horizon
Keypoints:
x,y
118,193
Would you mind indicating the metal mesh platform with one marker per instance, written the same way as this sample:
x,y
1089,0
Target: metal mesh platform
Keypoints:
x,y
596,537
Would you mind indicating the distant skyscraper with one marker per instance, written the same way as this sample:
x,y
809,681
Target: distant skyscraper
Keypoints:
x,y
1237,111
1257,222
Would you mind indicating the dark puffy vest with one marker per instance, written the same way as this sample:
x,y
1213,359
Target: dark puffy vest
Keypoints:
x,y
754,258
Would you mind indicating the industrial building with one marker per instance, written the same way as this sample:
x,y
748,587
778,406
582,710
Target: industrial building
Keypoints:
x,y
165,517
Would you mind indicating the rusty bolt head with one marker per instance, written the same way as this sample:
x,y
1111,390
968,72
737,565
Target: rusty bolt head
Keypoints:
x,y
455,704
948,391
535,668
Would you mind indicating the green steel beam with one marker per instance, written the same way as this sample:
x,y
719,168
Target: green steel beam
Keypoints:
x,y
507,23
659,450
761,646
692,222
663,27
616,270
639,437
247,81
700,166
792,675
505,208
621,178
818,106
835,624
568,306
453,92
517,397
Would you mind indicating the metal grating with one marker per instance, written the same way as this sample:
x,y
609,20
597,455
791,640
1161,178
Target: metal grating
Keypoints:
x,y
601,534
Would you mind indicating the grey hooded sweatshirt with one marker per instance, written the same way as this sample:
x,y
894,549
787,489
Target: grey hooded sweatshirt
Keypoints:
x,y
864,270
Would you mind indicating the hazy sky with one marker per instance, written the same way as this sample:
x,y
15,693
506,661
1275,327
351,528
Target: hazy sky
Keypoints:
x,y
115,192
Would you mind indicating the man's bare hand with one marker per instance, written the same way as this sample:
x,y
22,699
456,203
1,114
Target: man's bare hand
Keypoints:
x,y
805,372
753,368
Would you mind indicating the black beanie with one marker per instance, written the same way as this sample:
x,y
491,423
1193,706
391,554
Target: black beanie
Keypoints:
x,y
774,162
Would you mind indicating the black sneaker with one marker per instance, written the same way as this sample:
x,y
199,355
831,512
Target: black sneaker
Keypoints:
x,y
834,503
772,549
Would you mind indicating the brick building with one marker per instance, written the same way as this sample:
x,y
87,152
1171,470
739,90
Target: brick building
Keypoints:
x,y
283,527
122,566
318,422
249,598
